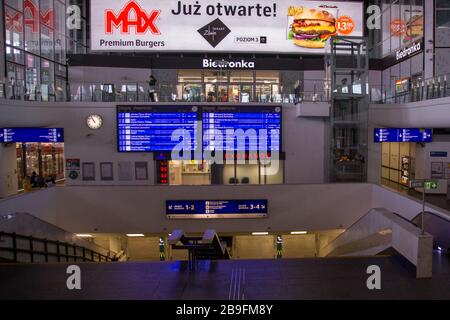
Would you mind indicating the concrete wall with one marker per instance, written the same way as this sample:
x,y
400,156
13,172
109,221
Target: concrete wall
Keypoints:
x,y
424,114
136,209
254,247
404,205
2,46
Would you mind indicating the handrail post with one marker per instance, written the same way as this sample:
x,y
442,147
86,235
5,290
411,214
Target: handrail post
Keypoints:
x,y
14,239
58,253
75,252
84,254
46,250
67,251
31,249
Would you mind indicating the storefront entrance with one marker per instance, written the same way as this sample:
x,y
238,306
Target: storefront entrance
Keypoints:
x,y
45,159
228,86
203,173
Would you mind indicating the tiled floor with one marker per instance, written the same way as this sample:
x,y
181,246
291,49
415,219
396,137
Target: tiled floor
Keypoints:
x,y
229,280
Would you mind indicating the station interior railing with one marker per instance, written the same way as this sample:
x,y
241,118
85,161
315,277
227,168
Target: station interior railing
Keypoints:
x,y
310,90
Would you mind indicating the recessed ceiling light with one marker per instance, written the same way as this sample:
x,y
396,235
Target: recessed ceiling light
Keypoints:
x,y
84,235
299,232
260,233
135,235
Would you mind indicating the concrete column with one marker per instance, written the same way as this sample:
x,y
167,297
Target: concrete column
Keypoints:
x,y
424,268
429,36
2,43
8,170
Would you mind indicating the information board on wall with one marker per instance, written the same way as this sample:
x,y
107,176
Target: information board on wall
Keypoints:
x,y
149,129
403,135
215,209
221,25
264,123
43,135
214,128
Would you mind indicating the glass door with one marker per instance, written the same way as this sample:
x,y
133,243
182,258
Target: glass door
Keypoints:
x,y
246,93
234,91
222,93
211,92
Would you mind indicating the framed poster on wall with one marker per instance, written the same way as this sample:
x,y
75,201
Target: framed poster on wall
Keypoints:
x,y
106,171
88,171
141,171
437,170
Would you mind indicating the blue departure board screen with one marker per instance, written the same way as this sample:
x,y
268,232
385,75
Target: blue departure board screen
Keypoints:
x,y
150,129
210,209
259,128
403,135
43,135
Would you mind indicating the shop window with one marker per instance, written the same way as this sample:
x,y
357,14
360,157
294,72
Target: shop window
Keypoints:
x,y
215,76
14,55
44,159
189,76
47,50
16,4
32,78
268,77
14,27
47,78
241,76
32,40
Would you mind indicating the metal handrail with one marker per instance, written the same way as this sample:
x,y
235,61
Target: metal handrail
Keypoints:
x,y
86,255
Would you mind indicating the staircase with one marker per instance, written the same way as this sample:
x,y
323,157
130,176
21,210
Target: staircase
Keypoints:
x,y
27,239
380,230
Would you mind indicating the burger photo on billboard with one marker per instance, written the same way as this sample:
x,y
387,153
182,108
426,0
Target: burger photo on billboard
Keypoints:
x,y
414,27
311,28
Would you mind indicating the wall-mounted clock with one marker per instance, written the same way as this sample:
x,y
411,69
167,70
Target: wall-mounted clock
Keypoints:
x,y
94,122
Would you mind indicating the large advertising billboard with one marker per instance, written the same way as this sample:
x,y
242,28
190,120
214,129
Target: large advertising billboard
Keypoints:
x,y
283,26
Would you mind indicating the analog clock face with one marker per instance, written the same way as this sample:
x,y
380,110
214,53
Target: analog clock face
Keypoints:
x,y
94,121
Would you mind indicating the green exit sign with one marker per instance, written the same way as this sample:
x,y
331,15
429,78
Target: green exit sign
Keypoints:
x,y
431,185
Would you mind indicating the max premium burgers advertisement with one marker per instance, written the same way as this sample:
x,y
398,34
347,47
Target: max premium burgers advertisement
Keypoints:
x,y
255,26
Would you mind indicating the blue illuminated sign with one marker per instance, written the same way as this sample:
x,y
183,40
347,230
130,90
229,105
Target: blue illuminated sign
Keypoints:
x,y
209,209
403,135
24,135
242,128
150,129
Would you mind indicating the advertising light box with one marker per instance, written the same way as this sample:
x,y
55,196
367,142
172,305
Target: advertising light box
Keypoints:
x,y
30,135
221,25
403,135
215,209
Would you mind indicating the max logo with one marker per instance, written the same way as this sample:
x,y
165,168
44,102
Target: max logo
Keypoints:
x,y
32,16
132,15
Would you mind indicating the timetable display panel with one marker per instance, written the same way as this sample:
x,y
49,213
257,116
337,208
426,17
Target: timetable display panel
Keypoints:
x,y
150,129
251,128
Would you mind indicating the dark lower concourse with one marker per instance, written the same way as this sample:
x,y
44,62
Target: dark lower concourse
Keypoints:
x,y
343,278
